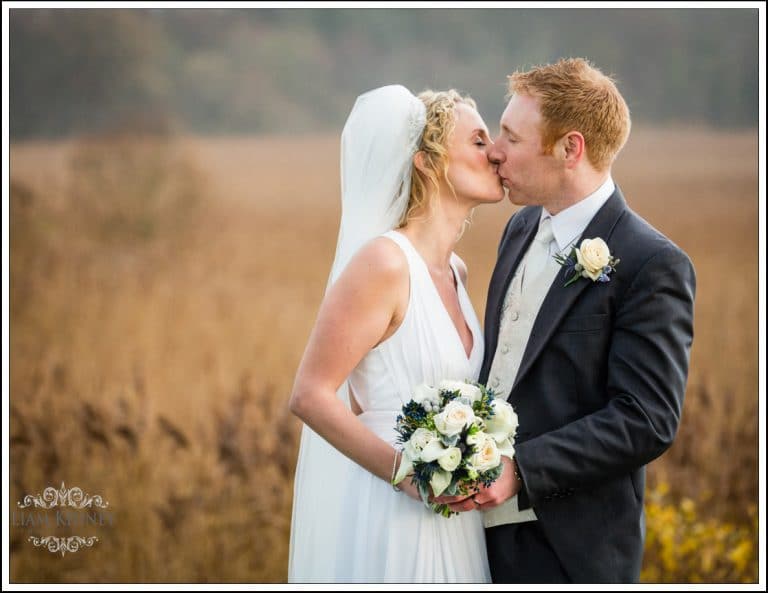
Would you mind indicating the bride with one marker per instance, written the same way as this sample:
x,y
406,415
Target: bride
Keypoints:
x,y
396,314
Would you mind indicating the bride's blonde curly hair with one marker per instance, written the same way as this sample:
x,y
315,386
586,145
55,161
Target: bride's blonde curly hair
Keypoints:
x,y
440,123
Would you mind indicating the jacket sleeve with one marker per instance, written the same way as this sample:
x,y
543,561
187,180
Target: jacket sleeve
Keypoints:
x,y
646,377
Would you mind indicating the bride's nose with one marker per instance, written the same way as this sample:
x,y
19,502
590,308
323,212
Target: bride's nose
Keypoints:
x,y
495,155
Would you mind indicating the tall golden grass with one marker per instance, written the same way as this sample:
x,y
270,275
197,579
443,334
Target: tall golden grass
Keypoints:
x,y
162,291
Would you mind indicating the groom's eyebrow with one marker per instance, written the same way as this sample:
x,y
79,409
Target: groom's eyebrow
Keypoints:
x,y
509,131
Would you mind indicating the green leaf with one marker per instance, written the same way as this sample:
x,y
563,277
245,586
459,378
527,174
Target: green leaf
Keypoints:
x,y
572,280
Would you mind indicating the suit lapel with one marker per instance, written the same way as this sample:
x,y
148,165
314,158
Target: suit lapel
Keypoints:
x,y
560,298
520,236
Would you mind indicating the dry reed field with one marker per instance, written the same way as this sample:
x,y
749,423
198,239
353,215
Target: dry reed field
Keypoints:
x,y
162,291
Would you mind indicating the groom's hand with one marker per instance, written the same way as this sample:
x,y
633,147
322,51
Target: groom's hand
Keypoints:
x,y
504,488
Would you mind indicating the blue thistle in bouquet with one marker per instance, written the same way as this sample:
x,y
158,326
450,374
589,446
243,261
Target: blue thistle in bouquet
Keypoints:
x,y
453,437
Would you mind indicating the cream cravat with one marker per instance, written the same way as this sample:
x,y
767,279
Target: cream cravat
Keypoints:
x,y
521,306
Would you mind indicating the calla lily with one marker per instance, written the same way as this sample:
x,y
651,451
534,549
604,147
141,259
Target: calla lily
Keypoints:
x,y
433,450
506,448
440,481
406,467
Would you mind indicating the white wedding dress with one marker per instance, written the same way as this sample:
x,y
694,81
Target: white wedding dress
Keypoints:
x,y
384,535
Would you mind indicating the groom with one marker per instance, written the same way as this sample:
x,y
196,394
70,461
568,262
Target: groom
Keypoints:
x,y
596,370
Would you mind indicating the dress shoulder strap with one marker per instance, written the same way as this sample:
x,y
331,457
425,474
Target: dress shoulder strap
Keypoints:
x,y
405,245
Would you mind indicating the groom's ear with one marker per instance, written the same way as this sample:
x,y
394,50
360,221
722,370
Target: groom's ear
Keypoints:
x,y
570,148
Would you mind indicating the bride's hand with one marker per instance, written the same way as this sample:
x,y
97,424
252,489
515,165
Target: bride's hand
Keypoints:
x,y
460,503
410,489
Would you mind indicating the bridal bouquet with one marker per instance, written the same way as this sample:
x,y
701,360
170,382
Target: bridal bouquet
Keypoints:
x,y
453,437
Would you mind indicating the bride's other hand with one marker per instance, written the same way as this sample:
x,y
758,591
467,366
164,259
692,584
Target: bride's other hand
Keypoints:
x,y
452,499
458,504
410,489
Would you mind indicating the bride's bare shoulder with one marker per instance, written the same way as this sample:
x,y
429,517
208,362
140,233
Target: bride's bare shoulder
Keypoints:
x,y
382,258
376,279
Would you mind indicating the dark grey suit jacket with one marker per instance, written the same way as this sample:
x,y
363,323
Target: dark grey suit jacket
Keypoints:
x,y
600,388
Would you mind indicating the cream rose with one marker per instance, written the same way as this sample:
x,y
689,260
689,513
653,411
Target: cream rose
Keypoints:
x,y
450,459
424,445
471,392
503,423
487,455
454,417
593,255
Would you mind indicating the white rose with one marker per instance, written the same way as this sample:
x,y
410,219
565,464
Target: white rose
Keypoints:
x,y
593,255
474,439
487,455
471,392
424,393
503,423
439,481
454,417
450,459
424,445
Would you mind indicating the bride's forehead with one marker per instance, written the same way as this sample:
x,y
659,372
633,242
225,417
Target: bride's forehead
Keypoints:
x,y
467,118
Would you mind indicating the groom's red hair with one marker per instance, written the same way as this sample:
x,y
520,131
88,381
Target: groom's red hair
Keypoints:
x,y
575,96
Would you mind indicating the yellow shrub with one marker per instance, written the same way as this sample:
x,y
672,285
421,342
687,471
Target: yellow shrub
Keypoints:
x,y
684,547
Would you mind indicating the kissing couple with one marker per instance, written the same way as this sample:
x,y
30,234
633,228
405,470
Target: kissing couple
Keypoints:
x,y
592,357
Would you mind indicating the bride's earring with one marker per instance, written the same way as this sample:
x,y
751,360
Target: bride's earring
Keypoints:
x,y
465,224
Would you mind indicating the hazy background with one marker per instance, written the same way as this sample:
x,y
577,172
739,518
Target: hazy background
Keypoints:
x,y
174,203
298,71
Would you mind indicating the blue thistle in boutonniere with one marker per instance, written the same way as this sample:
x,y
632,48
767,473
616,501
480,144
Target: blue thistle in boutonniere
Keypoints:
x,y
592,259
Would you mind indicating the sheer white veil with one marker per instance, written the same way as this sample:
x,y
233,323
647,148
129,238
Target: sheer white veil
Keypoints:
x,y
380,137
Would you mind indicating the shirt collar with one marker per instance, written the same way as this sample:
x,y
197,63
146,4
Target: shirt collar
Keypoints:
x,y
569,224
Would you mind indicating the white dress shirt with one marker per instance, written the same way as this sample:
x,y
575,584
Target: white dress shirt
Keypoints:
x,y
569,224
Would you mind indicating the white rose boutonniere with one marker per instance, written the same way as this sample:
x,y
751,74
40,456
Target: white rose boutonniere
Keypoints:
x,y
592,259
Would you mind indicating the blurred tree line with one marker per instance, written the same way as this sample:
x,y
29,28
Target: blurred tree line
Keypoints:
x,y
299,70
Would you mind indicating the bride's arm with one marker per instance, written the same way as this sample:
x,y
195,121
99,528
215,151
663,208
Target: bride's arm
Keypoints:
x,y
364,307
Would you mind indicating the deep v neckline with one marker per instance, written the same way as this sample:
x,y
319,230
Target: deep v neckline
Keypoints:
x,y
459,289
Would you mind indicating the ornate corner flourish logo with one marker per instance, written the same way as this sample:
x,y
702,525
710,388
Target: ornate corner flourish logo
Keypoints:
x,y
63,497
63,544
